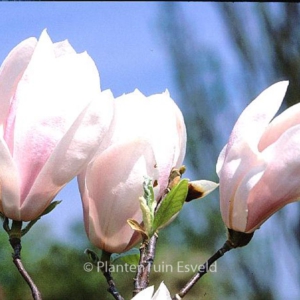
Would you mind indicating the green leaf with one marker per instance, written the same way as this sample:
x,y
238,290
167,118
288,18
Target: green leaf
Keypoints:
x,y
130,257
171,204
147,215
6,225
149,194
147,205
50,207
92,256
28,226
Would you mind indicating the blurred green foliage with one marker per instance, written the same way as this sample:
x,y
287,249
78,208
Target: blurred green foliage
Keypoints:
x,y
58,269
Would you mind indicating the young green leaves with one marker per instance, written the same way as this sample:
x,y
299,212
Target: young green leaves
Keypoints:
x,y
156,217
171,204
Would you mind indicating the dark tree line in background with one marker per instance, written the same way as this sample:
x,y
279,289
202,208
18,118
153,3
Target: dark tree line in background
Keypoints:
x,y
265,40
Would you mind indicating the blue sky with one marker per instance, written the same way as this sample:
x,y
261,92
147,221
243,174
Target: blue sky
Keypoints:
x,y
118,37
123,40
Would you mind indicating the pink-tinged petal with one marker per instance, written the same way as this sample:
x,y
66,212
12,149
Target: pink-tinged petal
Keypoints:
x,y
114,183
156,117
9,184
124,125
50,96
170,144
162,293
279,184
168,120
41,55
11,72
221,159
236,166
168,134
72,154
238,209
145,294
166,109
241,152
287,119
256,117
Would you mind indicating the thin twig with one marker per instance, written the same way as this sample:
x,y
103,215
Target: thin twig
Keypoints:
x,y
202,270
16,244
106,271
147,251
112,286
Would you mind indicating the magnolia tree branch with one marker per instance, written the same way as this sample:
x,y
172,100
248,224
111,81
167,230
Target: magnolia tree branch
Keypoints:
x,y
202,270
147,254
16,245
106,271
112,286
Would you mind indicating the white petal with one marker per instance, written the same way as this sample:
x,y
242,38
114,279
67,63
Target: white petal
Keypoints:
x,y
145,294
114,183
63,48
11,72
203,187
287,119
242,153
50,97
220,160
71,155
162,293
9,184
239,207
257,115
279,184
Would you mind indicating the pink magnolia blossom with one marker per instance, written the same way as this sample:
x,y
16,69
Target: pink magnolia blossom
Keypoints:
x,y
259,168
147,138
52,120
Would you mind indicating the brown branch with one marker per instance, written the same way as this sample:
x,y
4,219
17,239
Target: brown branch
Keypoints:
x,y
147,251
16,245
202,270
106,271
112,286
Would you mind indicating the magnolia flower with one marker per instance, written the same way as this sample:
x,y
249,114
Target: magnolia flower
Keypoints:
x,y
259,166
147,138
52,120
161,294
